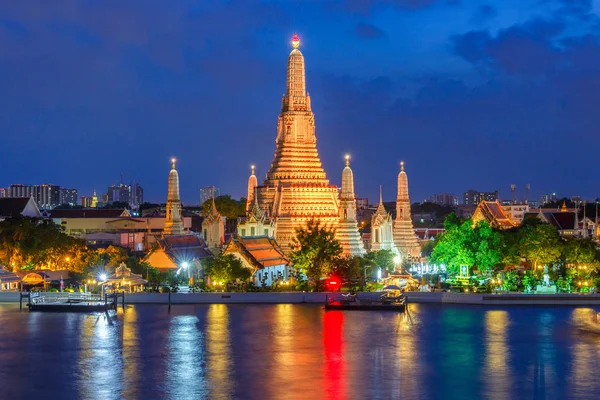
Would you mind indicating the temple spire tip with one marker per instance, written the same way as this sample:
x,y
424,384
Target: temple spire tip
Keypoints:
x,y
295,41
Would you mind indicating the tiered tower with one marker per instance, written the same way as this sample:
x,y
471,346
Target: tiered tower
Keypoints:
x,y
296,188
252,184
347,231
213,229
382,228
404,234
173,223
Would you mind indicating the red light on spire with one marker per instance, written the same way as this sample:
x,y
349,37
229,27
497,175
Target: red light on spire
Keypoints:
x,y
295,41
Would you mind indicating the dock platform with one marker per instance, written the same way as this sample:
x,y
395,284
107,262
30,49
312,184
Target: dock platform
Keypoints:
x,y
71,302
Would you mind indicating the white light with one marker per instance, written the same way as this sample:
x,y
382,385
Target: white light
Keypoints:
x,y
102,277
397,260
379,274
185,265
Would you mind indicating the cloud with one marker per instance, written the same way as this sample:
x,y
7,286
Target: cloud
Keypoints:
x,y
368,31
366,7
527,49
483,14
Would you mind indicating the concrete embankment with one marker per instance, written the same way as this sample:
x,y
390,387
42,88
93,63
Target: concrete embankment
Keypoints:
x,y
319,298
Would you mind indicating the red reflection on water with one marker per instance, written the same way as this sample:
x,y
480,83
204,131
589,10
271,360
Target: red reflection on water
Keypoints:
x,y
333,347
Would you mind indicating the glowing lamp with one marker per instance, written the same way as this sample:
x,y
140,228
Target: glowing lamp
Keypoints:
x,y
295,41
102,277
397,260
185,265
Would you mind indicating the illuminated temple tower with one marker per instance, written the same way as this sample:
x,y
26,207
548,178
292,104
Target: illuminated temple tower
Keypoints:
x,y
173,222
404,234
382,228
296,188
252,184
347,231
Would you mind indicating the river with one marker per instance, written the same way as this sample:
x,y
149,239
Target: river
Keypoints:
x,y
299,351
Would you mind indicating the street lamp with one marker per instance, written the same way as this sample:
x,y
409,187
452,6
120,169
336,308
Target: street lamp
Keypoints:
x,y
397,261
102,279
185,265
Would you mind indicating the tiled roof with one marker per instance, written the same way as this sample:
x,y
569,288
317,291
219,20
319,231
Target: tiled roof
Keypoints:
x,y
12,206
259,251
184,247
87,213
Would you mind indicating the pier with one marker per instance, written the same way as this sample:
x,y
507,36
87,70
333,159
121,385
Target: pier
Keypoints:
x,y
71,302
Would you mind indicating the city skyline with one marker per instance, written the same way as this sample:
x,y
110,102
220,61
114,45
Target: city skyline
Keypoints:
x,y
438,98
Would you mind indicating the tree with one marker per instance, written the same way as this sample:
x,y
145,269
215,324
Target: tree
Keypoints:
x,y
383,259
456,247
226,269
540,244
39,243
579,251
227,207
314,250
487,247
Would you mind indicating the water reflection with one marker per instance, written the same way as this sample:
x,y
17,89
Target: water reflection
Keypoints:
x,y
184,354
582,379
406,355
100,363
334,376
497,376
293,351
218,350
131,353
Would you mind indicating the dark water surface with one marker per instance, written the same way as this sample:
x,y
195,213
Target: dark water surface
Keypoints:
x,y
299,351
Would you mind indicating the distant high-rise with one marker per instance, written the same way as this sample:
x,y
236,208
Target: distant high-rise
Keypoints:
x,y
2,192
445,199
123,193
68,196
474,197
548,198
208,192
46,196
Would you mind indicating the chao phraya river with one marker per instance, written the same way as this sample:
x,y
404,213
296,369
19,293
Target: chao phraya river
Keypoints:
x,y
299,351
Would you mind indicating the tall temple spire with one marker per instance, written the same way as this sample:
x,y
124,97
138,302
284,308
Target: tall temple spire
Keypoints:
x,y
404,234
296,188
252,184
173,221
347,232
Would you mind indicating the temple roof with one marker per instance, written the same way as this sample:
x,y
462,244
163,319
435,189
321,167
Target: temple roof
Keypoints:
x,y
259,251
493,213
13,206
184,247
561,220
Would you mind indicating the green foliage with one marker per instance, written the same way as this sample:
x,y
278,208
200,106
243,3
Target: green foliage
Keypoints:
x,y
39,243
383,259
315,250
456,246
580,252
530,281
540,244
226,206
486,247
226,269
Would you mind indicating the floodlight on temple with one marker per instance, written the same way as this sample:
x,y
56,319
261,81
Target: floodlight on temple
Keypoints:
x,y
295,41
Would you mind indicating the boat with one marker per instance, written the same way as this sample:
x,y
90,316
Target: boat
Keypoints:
x,y
385,302
70,302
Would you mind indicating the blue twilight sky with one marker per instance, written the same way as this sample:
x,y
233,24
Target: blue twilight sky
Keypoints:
x,y
470,93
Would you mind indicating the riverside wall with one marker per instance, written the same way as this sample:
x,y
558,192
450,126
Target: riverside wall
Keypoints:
x,y
319,298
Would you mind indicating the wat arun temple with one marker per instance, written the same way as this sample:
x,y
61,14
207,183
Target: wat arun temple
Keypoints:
x,y
296,188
